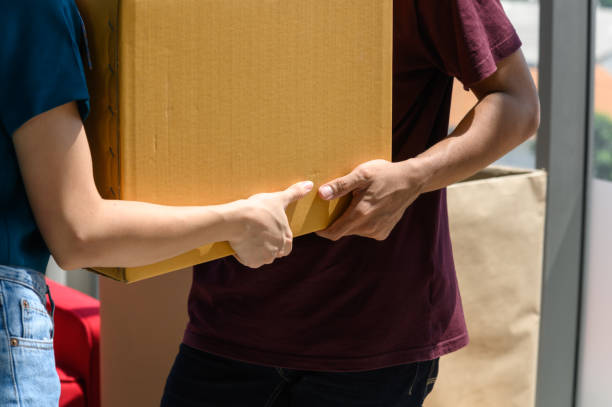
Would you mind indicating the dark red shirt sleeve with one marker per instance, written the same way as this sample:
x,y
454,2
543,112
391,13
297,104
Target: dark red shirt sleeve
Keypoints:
x,y
466,38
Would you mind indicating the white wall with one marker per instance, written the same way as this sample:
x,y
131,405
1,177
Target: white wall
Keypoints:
x,y
142,328
82,280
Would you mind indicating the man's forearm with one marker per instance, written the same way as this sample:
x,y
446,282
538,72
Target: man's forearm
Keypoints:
x,y
497,124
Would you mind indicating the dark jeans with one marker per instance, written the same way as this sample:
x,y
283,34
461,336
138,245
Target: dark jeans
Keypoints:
x,y
202,379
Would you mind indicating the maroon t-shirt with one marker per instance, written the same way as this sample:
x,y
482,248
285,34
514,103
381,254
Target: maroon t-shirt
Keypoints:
x,y
361,304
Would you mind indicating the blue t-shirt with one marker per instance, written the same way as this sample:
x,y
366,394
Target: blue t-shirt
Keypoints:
x,y
41,67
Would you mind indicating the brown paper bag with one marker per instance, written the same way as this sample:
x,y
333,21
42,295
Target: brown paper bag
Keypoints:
x,y
497,230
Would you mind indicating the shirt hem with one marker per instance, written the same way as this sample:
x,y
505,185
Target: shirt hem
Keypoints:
x,y
319,363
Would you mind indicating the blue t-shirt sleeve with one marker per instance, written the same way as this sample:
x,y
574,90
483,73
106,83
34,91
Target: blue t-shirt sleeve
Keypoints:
x,y
41,64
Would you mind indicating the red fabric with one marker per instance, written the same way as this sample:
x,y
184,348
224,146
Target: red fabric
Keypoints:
x,y
77,344
72,390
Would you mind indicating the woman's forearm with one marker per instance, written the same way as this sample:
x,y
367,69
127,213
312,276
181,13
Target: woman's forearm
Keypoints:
x,y
129,234
83,230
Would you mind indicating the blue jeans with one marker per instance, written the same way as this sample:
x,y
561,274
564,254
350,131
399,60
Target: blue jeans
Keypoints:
x,y
205,380
27,364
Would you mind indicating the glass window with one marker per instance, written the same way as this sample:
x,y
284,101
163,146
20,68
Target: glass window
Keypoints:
x,y
594,388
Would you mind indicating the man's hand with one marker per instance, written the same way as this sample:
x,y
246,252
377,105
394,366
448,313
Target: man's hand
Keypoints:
x,y
381,193
506,115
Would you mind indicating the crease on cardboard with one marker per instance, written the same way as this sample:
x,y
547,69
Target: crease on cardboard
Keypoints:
x,y
117,118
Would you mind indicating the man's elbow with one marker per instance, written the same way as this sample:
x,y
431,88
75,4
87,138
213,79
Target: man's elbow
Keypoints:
x,y
531,116
534,117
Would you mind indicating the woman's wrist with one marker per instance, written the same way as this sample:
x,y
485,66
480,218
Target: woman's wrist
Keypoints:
x,y
233,218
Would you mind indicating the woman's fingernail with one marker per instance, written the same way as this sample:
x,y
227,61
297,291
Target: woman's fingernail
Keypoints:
x,y
326,192
307,185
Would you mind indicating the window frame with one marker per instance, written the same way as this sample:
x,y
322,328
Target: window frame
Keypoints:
x,y
566,66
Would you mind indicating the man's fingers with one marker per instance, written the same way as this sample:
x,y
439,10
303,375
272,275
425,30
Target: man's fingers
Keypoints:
x,y
244,263
287,247
343,225
343,185
296,192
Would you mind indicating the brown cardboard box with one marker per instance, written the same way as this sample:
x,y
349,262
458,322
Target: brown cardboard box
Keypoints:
x,y
200,102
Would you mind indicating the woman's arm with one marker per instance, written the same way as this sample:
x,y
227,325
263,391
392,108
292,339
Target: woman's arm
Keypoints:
x,y
83,230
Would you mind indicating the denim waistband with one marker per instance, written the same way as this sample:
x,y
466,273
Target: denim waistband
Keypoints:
x,y
26,277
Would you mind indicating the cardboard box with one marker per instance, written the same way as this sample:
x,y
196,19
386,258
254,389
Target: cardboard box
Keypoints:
x,y
199,102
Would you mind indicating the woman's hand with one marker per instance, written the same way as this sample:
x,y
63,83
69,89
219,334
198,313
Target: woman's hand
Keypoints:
x,y
266,234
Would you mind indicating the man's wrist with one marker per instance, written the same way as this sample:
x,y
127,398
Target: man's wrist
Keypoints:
x,y
417,173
